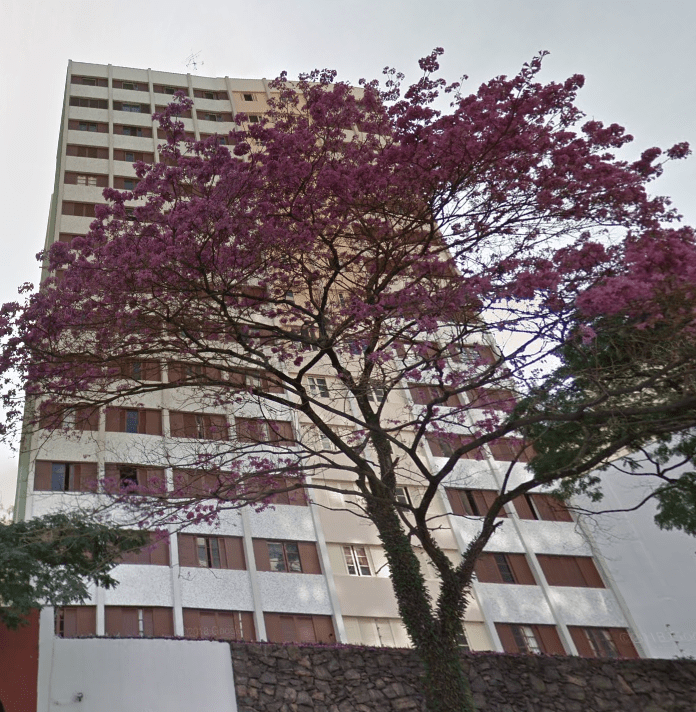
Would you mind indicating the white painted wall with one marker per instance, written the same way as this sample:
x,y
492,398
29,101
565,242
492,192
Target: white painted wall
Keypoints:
x,y
113,675
653,570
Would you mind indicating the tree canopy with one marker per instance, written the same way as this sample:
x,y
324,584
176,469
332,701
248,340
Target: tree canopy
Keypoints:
x,y
50,560
331,279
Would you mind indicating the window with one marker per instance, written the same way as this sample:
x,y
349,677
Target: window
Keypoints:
x,y
149,480
462,641
476,355
472,503
212,552
208,551
88,126
511,450
65,476
87,151
309,338
287,556
578,571
86,103
132,108
491,398
254,118
134,420
212,117
129,183
203,426
356,560
202,483
133,156
166,89
424,394
376,393
130,85
287,628
100,180
83,210
55,415
89,81
284,556
202,624
281,490
209,95
525,639
504,568
530,639
132,622
318,387
542,506
593,642
402,496
444,445
141,370
75,621
193,372
154,553
248,97
376,632
131,131
271,432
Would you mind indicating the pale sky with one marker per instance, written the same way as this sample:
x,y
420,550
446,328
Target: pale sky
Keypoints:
x,y
638,57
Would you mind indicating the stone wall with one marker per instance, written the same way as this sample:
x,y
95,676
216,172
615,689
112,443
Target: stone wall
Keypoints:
x,y
290,678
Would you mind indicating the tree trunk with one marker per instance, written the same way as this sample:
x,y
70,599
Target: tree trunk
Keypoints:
x,y
445,686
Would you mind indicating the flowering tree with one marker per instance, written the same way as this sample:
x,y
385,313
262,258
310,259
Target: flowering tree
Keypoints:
x,y
332,275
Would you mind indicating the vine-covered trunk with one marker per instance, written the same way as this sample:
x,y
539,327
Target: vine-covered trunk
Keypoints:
x,y
445,685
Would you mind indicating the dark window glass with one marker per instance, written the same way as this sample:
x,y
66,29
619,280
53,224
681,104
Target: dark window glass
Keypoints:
x,y
128,476
401,495
131,421
128,184
275,554
525,639
130,156
59,476
504,568
601,643
293,556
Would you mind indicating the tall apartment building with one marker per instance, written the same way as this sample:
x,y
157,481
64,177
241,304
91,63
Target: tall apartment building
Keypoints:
x,y
306,571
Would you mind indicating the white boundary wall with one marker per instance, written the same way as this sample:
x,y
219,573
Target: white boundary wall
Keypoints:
x,y
112,675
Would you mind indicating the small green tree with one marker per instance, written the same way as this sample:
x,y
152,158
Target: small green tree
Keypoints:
x,y
51,560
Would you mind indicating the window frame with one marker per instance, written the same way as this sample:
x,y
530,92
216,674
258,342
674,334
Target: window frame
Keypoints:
x,y
292,563
404,497
525,639
318,387
352,555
